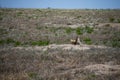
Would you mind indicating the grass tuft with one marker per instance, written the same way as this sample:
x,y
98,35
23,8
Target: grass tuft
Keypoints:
x,y
88,41
89,29
69,30
32,75
40,43
118,20
79,31
111,19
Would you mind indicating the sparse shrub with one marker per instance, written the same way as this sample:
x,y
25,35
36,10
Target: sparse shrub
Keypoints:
x,y
53,30
115,43
40,43
19,13
56,34
46,27
68,30
17,43
88,41
79,31
3,31
2,42
69,23
79,16
39,10
111,19
1,18
32,75
29,17
1,13
90,77
89,29
9,40
118,20
38,27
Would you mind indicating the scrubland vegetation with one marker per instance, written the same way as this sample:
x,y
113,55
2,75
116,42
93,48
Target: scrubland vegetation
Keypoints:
x,y
26,36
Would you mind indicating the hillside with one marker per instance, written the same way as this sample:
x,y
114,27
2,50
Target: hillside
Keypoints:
x,y
35,44
26,26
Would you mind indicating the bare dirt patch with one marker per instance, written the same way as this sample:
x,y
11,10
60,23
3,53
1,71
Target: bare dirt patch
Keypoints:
x,y
62,47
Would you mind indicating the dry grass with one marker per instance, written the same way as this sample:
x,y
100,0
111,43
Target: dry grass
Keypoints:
x,y
22,29
58,26
52,64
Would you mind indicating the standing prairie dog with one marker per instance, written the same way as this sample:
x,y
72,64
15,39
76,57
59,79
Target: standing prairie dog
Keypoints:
x,y
75,41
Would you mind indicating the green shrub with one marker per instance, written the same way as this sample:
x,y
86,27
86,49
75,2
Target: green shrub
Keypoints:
x,y
88,41
17,43
89,29
9,40
79,31
78,16
115,43
2,42
1,15
90,77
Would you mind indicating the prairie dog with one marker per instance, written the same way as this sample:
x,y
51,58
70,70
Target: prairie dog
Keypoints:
x,y
75,41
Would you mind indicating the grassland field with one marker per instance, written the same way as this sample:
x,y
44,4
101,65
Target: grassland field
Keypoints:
x,y
35,44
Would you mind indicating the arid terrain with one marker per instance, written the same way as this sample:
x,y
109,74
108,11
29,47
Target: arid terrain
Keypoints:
x,y
35,44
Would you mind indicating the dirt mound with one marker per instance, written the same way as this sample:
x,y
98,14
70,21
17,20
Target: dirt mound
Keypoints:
x,y
62,47
103,68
